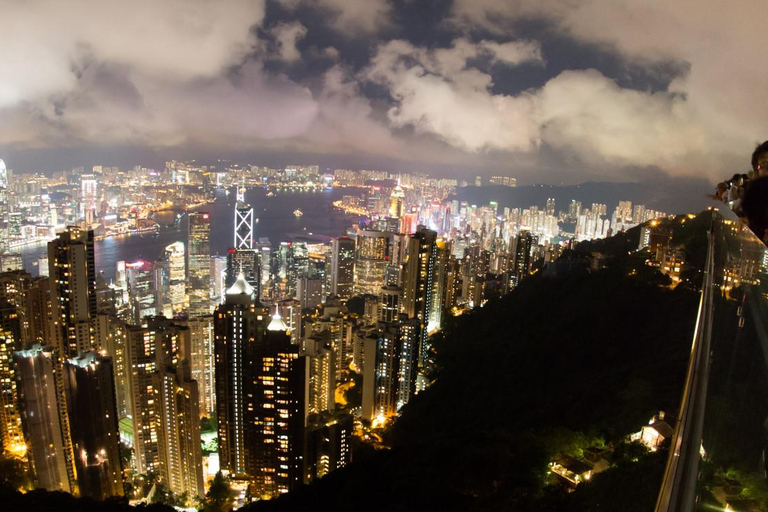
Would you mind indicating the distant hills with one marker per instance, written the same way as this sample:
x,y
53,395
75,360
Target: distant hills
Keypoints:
x,y
667,194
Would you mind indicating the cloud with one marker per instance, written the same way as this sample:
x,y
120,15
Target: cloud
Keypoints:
x,y
286,36
176,39
436,92
724,89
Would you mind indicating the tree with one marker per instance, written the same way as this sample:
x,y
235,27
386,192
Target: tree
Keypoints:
x,y
218,498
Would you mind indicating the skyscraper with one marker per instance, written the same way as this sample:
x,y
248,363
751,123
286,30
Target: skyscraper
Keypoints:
x,y
236,329
73,296
170,281
419,283
280,394
371,261
45,418
243,226
11,434
199,264
90,391
343,267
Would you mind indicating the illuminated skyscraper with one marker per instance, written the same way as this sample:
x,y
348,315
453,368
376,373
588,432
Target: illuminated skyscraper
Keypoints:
x,y
165,405
199,264
397,207
343,267
45,418
73,292
202,361
419,283
11,434
89,197
371,261
170,281
243,226
142,299
280,379
237,323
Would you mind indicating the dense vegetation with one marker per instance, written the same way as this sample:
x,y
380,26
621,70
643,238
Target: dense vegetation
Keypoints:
x,y
557,366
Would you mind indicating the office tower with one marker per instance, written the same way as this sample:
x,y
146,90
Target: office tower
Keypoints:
x,y
397,203
243,226
246,262
371,261
202,361
170,281
280,378
45,418
199,265
142,300
11,434
89,197
236,328
219,274
179,442
419,283
389,307
290,311
90,391
343,267
309,292
73,295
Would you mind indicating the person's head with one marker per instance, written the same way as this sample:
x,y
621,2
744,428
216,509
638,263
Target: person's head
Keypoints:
x,y
760,159
755,206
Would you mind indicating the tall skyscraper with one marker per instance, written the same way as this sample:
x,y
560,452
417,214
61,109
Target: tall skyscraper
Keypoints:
x,y
73,292
89,197
243,226
397,206
45,418
246,262
280,394
202,361
142,299
165,405
170,281
237,323
371,261
90,391
419,283
11,434
199,264
343,267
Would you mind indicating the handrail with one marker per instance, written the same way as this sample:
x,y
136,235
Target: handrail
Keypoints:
x,y
678,489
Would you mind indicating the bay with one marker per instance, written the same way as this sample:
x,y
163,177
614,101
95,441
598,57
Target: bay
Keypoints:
x,y
320,222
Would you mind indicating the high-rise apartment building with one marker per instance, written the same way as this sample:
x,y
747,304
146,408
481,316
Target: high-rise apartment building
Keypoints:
x,y
11,433
73,297
419,283
45,418
90,392
343,267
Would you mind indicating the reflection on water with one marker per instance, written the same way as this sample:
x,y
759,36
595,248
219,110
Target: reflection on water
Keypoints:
x,y
276,222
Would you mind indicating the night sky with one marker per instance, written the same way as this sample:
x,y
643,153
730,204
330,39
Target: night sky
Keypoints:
x,y
553,91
